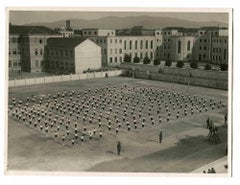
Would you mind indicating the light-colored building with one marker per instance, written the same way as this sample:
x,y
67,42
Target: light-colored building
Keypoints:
x,y
178,44
72,55
26,46
89,32
14,52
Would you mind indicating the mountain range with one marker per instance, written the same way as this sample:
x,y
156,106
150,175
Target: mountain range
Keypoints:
x,y
113,22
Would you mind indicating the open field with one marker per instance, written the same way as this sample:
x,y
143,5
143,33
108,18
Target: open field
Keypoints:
x,y
184,147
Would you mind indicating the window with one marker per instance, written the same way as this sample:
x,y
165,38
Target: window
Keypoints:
x,y
188,45
115,41
136,44
115,51
179,46
47,51
36,51
151,44
120,51
136,55
204,48
220,50
71,53
120,59
110,51
225,54
15,63
120,40
151,55
213,50
200,47
56,53
130,44
115,59
111,41
141,55
125,44
104,51
205,40
146,44
141,44
61,52
9,63
110,59
66,52
14,52
40,41
36,63
204,56
200,40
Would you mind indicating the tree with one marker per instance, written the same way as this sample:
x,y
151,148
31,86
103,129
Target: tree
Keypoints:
x,y
146,60
208,67
224,67
180,64
136,59
168,63
194,65
156,61
127,58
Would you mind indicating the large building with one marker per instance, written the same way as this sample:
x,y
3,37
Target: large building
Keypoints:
x,y
114,48
72,55
26,47
207,44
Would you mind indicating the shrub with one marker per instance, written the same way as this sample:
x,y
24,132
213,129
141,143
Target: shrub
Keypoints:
x,y
180,64
224,67
208,67
168,63
156,61
127,58
136,59
146,60
194,65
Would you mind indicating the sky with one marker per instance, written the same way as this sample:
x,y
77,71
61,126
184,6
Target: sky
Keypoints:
x,y
26,17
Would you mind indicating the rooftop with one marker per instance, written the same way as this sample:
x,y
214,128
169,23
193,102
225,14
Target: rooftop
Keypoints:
x,y
26,30
65,42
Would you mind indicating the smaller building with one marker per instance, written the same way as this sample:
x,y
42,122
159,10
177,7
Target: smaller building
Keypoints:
x,y
89,32
72,55
66,31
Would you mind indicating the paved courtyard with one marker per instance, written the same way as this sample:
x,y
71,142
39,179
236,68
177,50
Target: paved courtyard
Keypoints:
x,y
75,126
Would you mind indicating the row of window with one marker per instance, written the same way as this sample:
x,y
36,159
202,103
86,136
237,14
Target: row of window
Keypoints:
x,y
14,52
38,52
220,40
203,48
138,45
116,51
61,52
219,50
14,63
216,58
203,40
60,65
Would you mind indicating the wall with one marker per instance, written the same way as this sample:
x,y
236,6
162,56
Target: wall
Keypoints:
x,y
197,77
62,78
87,55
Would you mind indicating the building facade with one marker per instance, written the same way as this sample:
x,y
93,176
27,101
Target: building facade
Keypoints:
x,y
72,55
26,46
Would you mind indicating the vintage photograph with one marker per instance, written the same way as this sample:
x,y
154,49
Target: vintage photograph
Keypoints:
x,y
119,91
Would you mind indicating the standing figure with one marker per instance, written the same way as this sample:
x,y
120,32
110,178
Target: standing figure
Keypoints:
x,y
118,147
160,137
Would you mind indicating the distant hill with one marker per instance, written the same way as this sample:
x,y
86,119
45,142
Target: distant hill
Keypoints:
x,y
128,22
